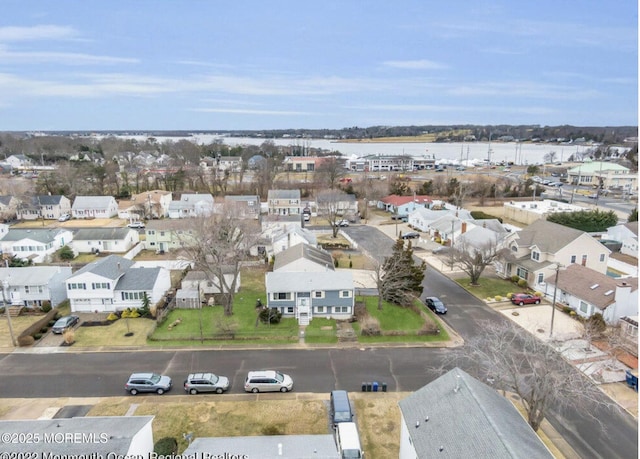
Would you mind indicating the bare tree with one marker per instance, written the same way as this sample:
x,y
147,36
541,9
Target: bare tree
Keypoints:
x,y
513,360
550,157
218,244
474,258
330,171
330,207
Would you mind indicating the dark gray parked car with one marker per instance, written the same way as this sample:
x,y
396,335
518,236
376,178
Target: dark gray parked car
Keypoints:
x,y
435,305
64,323
148,382
205,382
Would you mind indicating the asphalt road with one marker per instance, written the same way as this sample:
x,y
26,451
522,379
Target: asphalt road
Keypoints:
x,y
319,371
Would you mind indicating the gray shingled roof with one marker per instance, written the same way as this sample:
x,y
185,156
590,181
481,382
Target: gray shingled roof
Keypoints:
x,y
111,267
91,202
40,235
578,280
269,446
467,419
101,234
47,200
283,194
138,279
548,237
119,431
305,251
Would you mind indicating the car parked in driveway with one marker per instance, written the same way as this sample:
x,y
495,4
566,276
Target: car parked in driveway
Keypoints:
x,y
64,323
410,235
267,381
136,225
64,217
525,298
148,382
435,305
342,223
205,382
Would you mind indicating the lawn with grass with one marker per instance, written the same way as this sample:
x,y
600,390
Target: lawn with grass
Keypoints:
x,y
321,331
394,319
121,332
489,287
210,325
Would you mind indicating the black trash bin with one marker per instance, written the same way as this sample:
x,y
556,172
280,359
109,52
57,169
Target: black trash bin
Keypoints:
x,y
364,387
368,387
384,387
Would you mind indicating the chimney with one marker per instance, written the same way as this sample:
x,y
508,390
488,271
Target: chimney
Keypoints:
x,y
464,228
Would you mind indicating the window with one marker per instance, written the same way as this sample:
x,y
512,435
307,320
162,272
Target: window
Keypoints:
x,y
345,294
290,309
522,273
132,295
601,257
318,294
584,260
584,307
573,258
100,285
282,296
77,286
535,256
320,309
540,278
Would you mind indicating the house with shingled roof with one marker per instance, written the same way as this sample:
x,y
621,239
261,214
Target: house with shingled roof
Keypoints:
x,y
458,416
588,292
404,205
627,235
113,284
94,207
98,240
47,207
536,251
304,283
37,245
284,202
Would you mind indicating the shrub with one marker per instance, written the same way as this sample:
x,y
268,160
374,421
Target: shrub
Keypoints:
x,y
166,446
370,326
567,309
522,283
498,298
51,323
44,330
37,336
65,253
26,340
538,294
130,313
596,323
509,295
515,279
69,337
272,430
112,316
46,306
270,316
573,313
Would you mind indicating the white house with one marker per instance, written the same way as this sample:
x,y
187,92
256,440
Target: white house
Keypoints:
x,y
96,240
202,288
19,161
458,416
113,284
627,234
588,292
283,240
284,202
32,285
94,207
48,207
34,244
104,436
245,206
192,205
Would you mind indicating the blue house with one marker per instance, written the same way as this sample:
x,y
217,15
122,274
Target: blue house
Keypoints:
x,y
304,284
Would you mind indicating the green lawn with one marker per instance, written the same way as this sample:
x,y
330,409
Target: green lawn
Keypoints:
x,y
489,287
394,318
321,331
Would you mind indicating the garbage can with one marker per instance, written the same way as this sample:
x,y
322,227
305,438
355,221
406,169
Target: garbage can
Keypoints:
x,y
384,387
364,387
375,386
368,387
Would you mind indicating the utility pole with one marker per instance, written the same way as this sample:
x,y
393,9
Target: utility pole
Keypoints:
x,y
553,305
5,287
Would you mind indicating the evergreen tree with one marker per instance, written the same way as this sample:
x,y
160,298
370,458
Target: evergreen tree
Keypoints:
x,y
401,279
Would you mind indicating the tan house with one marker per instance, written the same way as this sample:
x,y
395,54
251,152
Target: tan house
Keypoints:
x,y
536,251
284,202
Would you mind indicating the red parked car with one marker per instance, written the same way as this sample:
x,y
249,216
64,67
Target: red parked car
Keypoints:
x,y
524,298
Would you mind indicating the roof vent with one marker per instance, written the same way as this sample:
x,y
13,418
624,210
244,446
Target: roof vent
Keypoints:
x,y
594,286
608,292
417,424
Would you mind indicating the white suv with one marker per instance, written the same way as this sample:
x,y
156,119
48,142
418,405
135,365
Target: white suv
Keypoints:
x,y
268,381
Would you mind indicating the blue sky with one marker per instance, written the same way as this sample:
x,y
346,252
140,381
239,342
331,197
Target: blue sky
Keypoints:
x,y
224,65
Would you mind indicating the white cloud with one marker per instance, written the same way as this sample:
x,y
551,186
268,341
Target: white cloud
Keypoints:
x,y
244,111
420,64
36,57
39,32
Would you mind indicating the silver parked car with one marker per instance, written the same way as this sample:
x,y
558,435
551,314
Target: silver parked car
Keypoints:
x,y
205,382
268,381
148,382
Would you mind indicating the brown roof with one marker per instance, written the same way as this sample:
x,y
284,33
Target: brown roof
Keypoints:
x,y
396,200
589,285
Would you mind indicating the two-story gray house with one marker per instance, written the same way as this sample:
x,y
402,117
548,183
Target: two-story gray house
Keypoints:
x,y
304,284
